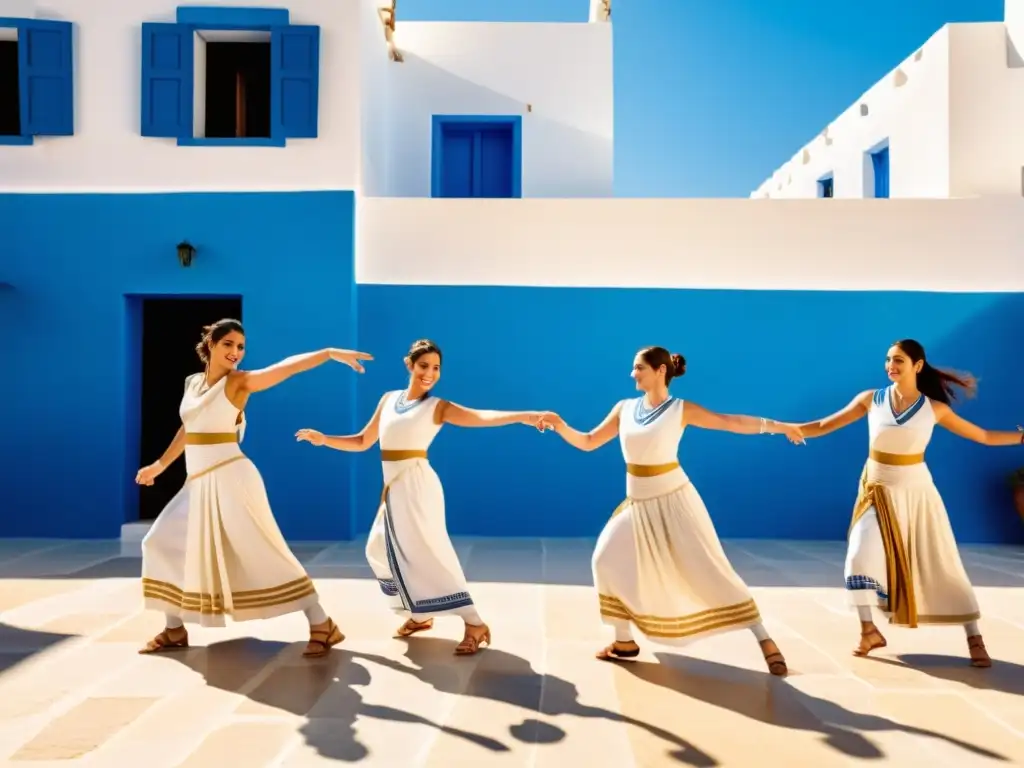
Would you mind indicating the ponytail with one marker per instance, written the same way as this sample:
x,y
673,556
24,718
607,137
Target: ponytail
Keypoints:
x,y
942,385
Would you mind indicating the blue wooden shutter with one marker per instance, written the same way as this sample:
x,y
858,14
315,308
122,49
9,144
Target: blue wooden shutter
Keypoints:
x,y
46,84
294,81
880,165
458,169
167,73
495,162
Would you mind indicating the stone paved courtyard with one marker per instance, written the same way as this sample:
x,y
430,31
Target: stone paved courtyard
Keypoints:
x,y
73,691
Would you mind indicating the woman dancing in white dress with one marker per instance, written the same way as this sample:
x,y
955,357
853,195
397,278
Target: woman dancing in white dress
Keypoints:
x,y
409,549
659,563
215,549
902,555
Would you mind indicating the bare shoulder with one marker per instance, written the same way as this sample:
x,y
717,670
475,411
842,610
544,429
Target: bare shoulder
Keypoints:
x,y
940,409
440,409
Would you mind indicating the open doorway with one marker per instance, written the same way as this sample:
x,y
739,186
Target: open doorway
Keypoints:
x,y
170,329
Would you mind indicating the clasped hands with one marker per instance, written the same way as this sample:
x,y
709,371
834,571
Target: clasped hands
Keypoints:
x,y
544,420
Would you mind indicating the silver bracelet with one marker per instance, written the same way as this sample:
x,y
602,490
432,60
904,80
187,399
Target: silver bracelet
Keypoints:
x,y
764,426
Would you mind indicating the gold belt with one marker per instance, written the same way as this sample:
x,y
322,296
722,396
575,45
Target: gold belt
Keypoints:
x,y
402,455
651,470
896,459
210,438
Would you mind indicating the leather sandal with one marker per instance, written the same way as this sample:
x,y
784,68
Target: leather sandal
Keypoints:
x,y
163,642
979,654
616,651
411,627
322,640
471,642
775,660
870,641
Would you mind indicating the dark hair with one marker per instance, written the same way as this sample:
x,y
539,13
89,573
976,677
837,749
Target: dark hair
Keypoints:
x,y
937,383
675,365
214,333
423,347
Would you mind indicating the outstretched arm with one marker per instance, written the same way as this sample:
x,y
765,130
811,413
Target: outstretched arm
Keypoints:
x,y
271,376
945,416
459,416
698,416
587,441
352,443
148,474
857,409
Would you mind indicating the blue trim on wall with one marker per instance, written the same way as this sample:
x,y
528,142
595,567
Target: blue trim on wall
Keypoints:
x,y
16,141
438,124
210,17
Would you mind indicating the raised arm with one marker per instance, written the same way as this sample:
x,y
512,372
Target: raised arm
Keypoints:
x,y
587,441
148,474
857,409
353,443
946,417
697,416
460,416
257,381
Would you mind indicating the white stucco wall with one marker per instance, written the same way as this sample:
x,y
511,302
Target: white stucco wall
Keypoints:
x,y
987,115
909,109
374,84
557,76
107,152
840,245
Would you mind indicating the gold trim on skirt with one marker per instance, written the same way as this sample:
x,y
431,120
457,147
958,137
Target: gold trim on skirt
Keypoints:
x,y
210,438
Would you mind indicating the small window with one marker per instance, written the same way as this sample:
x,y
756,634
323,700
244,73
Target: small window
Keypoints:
x,y
237,98
826,187
10,98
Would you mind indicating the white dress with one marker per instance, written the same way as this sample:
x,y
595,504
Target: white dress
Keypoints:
x,y
659,563
409,549
902,554
216,550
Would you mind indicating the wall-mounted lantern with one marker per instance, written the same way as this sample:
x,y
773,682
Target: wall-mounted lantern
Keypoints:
x,y
186,252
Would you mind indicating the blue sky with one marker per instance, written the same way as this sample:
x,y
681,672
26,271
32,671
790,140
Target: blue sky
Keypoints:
x,y
711,96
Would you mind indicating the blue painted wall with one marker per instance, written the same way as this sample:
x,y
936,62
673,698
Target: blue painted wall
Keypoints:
x,y
787,355
64,326
65,339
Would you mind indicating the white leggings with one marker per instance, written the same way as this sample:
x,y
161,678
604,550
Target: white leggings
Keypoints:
x,y
624,632
315,614
864,612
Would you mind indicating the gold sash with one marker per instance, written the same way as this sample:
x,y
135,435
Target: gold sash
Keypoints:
x,y
651,470
210,438
902,604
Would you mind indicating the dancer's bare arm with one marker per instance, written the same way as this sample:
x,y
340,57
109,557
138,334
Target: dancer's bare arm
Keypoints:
x,y
148,474
460,416
946,417
857,409
585,441
697,416
247,382
361,441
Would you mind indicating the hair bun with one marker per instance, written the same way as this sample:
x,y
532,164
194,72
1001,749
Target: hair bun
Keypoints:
x,y
678,365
